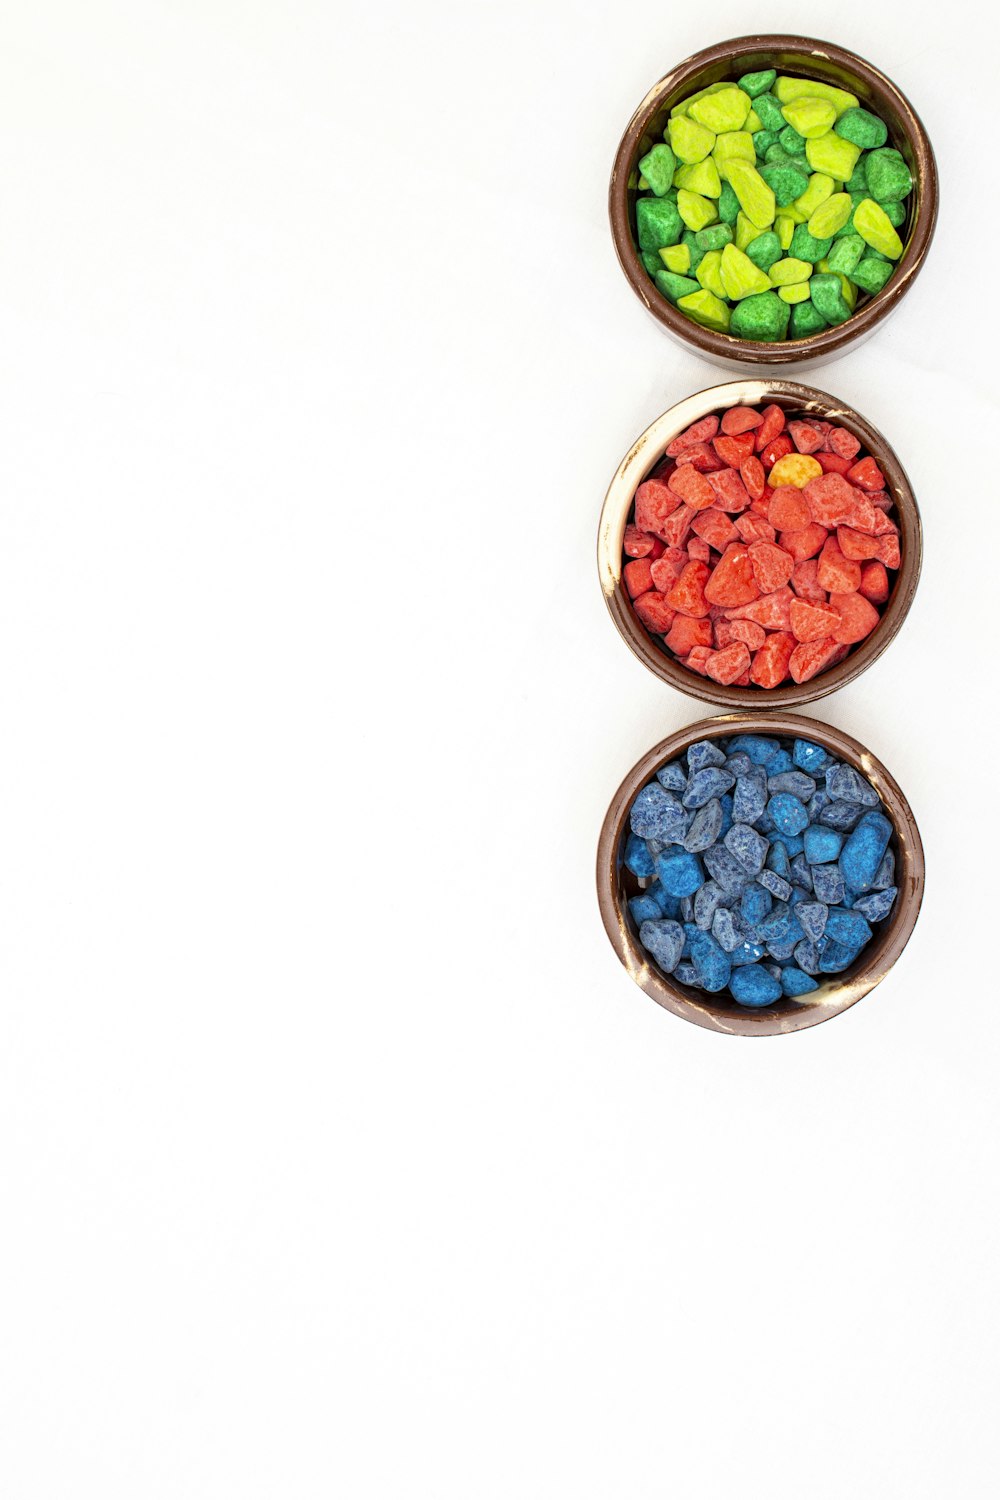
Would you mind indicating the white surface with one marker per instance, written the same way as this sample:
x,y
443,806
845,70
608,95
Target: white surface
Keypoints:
x,y
339,1156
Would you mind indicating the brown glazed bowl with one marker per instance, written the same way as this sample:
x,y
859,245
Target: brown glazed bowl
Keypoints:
x,y
615,885
809,59
648,449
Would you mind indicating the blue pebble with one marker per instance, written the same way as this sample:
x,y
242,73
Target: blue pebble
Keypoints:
x,y
760,748
664,940
705,828
747,953
775,885
687,974
739,763
765,823
861,856
669,905
722,867
644,909
812,915
704,753
802,873
750,796
726,803
658,814
637,857
848,785
778,763
777,859
687,909
756,902
821,845
886,875
792,843
754,986
747,846
809,757
711,964
807,956
706,784
816,804
673,776
679,874
728,929
795,981
773,969
707,899
797,782
847,927
828,884
876,906
835,957
788,812
842,815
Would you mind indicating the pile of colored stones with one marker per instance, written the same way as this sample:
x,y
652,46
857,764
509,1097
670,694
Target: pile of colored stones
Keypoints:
x,y
760,548
762,863
770,205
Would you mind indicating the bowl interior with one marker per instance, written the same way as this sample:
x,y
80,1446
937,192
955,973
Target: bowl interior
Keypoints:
x,y
647,452
837,992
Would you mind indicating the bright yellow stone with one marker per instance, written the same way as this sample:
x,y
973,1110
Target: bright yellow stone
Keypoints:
x,y
701,178
830,153
709,273
797,293
787,90
830,216
794,468
753,121
685,104
677,258
784,228
756,198
849,290
810,116
689,141
746,232
740,277
734,143
789,271
875,228
725,110
695,210
708,310
820,188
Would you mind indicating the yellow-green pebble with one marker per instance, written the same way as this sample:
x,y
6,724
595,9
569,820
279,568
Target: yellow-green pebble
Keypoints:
x,y
732,144
799,292
702,177
876,230
784,228
708,310
740,277
677,258
746,231
689,141
695,210
789,271
725,110
787,90
756,198
810,116
820,188
831,215
830,153
709,275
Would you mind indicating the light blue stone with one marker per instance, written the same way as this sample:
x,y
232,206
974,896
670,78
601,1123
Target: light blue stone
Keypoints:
x,y
637,857
809,757
672,776
679,874
812,915
704,753
848,785
862,854
821,845
754,986
706,784
658,814
705,828
789,813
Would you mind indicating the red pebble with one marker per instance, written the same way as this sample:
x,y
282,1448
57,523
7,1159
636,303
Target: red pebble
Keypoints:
x,y
638,577
804,543
858,618
730,491
874,582
702,431
773,422
753,476
803,581
810,657
715,528
746,630
888,551
834,502
726,665
837,573
740,419
773,611
770,664
654,502
697,658
688,593
832,463
667,568
787,510
868,474
698,550
806,436
776,449
693,488
754,528
686,633
734,450
676,527
654,611
843,443
637,543
732,582
772,566
813,622
855,544
700,456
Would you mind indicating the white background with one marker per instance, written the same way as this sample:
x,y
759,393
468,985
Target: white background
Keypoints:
x,y
338,1155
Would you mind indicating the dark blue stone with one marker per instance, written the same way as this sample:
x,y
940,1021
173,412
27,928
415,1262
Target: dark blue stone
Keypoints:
x,y
847,927
801,872
756,902
848,785
828,884
886,875
754,986
812,915
726,802
658,814
792,843
747,846
876,906
797,782
835,958
704,753
686,973
842,815
761,748
777,859
644,909
861,856
739,763
706,784
778,763
669,905
821,845
747,953
679,874
795,982
705,828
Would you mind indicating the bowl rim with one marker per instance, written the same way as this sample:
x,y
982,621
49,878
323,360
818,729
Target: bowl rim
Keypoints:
x,y
836,994
649,447
829,341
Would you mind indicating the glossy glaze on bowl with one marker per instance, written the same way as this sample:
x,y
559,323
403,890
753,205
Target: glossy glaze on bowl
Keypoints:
x,y
649,449
836,993
807,58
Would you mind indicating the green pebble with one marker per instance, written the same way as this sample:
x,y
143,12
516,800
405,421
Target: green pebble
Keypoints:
x,y
768,112
846,253
791,141
714,237
757,83
805,321
762,318
805,246
786,182
862,129
894,212
856,183
763,141
657,222
729,204
888,176
651,260
871,275
658,168
828,298
674,286
765,250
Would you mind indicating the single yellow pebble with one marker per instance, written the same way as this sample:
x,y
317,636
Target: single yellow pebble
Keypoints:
x,y
830,216
875,228
701,178
709,275
787,90
689,141
746,232
695,210
755,197
736,144
797,293
830,153
794,468
810,116
753,121
706,309
725,110
784,228
740,277
790,271
820,188
685,104
677,258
